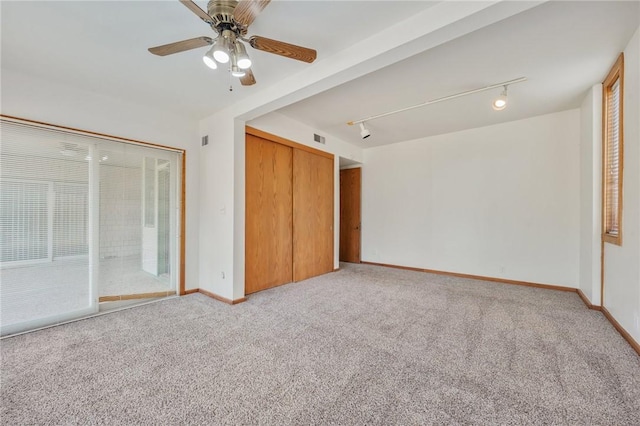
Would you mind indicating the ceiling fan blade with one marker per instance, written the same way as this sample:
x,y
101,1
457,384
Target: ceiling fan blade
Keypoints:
x,y
248,79
181,46
283,49
247,10
196,9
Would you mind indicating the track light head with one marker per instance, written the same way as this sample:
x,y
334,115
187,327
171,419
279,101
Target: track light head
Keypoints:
x,y
364,132
500,102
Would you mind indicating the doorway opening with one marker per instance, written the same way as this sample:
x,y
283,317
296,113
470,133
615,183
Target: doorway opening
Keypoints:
x,y
350,211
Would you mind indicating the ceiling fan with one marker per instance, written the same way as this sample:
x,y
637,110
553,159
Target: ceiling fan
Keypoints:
x,y
230,19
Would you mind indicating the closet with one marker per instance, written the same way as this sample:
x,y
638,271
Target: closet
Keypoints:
x,y
289,211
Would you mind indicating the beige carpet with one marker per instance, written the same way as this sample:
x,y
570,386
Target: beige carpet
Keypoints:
x,y
365,345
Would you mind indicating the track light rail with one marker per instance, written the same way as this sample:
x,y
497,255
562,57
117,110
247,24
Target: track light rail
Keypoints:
x,y
444,98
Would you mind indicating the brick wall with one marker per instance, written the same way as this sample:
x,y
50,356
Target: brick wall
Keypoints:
x,y
120,211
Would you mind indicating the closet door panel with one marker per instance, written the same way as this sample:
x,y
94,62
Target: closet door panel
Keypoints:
x,y
268,238
313,215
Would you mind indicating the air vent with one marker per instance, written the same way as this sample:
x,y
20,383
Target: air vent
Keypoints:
x,y
318,138
205,140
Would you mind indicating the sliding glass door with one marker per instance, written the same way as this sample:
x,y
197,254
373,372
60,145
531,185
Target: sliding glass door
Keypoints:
x,y
45,224
138,207
84,221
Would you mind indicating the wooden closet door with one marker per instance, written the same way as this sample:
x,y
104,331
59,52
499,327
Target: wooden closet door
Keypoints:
x,y
313,215
269,208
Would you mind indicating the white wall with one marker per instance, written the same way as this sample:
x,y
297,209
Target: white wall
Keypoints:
x,y
120,204
283,126
222,163
218,210
498,201
32,98
591,193
622,263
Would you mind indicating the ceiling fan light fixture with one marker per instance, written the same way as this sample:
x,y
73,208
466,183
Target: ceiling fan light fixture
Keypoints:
x,y
230,19
221,48
500,102
242,58
237,72
209,60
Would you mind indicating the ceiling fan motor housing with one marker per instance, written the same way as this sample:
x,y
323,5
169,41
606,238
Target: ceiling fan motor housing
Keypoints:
x,y
221,12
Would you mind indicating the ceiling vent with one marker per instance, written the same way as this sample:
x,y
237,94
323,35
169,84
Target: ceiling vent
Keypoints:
x,y
318,138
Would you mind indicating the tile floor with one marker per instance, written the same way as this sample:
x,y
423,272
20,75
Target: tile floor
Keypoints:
x,y
45,289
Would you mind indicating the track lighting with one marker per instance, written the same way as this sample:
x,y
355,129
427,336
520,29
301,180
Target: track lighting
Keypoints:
x,y
241,56
500,102
364,132
209,60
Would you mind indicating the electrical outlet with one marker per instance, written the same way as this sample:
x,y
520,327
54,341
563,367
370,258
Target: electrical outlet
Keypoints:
x,y
222,275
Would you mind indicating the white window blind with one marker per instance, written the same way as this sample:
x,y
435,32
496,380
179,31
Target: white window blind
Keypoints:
x,y
44,265
71,220
24,220
612,179
613,153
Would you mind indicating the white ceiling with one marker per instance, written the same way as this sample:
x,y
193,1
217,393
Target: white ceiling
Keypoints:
x,y
101,46
563,48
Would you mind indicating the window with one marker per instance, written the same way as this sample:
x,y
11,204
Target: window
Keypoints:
x,y
612,153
